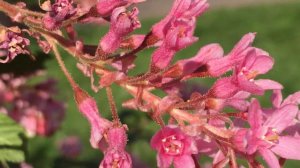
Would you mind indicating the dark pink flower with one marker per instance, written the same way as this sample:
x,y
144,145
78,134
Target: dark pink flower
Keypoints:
x,y
122,23
60,11
174,146
114,158
12,44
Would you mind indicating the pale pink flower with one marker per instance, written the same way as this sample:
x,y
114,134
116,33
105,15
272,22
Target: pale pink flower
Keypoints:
x,y
174,146
122,23
265,135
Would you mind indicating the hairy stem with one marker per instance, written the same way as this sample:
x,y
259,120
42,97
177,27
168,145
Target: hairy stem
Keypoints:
x,y
112,105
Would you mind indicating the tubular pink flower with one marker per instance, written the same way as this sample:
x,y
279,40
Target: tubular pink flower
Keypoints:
x,y
174,146
122,23
88,107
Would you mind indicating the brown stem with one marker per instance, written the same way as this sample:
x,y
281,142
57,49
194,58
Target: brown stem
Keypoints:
x,y
8,9
232,158
149,40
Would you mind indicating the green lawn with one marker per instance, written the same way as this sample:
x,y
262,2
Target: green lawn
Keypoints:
x,y
278,32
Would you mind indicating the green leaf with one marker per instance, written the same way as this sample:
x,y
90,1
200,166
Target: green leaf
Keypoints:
x,y
12,155
10,140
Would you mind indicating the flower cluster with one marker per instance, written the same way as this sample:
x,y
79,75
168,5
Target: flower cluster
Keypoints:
x,y
34,107
225,122
12,44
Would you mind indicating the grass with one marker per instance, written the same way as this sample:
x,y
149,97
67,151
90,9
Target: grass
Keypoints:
x,y
278,32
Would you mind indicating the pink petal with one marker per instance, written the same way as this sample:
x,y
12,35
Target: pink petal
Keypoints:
x,y
255,115
270,158
249,86
198,7
218,67
243,44
224,88
276,98
267,84
238,104
206,53
184,161
263,64
282,118
288,147
110,42
162,57
164,161
294,99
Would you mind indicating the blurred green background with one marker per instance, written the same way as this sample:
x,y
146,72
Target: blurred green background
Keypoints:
x,y
278,32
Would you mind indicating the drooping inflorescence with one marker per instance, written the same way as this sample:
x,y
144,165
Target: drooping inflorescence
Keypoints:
x,y
198,124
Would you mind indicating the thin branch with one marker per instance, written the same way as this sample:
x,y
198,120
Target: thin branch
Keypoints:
x,y
62,66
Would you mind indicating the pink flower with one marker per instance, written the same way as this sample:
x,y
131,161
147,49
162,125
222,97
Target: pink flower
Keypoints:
x,y
115,155
179,36
174,146
256,62
218,67
105,7
32,106
12,44
122,23
191,65
60,11
181,9
265,135
176,30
